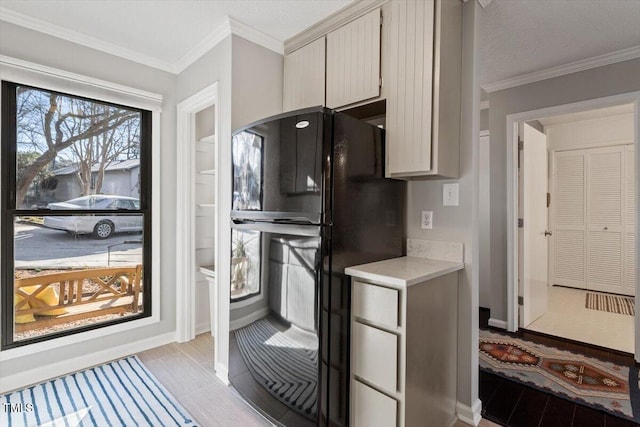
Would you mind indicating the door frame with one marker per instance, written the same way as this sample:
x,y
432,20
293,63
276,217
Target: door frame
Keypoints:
x,y
185,214
512,193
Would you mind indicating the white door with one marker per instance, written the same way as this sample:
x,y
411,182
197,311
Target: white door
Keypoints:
x,y
630,213
605,185
534,213
569,255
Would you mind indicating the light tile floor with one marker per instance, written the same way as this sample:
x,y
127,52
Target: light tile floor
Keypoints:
x,y
567,317
186,370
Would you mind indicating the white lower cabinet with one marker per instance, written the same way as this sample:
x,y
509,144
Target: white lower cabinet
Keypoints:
x,y
374,409
404,353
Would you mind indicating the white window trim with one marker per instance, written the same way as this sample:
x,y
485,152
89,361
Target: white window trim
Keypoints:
x,y
28,73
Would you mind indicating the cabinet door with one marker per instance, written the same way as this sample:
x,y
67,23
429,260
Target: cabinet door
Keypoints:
x,y
605,189
569,218
409,80
630,213
304,81
372,408
353,61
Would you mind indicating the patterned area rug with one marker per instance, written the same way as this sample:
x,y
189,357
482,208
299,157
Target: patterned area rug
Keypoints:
x,y
612,303
288,369
120,393
598,384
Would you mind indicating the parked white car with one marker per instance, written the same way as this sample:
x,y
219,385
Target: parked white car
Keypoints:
x,y
101,226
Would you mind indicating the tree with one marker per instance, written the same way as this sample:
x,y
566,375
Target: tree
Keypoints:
x,y
103,149
48,123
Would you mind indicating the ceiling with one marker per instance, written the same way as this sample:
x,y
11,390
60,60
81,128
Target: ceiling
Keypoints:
x,y
516,36
524,36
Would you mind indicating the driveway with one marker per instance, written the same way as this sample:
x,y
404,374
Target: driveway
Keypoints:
x,y
40,247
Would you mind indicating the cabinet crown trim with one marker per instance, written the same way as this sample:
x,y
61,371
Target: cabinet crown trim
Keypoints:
x,y
332,22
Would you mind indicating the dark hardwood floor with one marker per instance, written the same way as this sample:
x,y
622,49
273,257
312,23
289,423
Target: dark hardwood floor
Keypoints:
x,y
512,404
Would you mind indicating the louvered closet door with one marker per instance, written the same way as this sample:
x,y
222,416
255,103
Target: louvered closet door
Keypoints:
x,y
605,214
630,221
569,211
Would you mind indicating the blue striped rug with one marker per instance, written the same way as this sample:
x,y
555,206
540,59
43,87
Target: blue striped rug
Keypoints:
x,y
119,393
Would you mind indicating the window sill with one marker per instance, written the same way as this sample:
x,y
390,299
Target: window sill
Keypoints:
x,y
80,337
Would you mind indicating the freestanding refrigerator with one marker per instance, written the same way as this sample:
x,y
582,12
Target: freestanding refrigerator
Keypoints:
x,y
309,199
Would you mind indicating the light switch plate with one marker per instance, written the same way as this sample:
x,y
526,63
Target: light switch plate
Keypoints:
x,y
426,221
450,194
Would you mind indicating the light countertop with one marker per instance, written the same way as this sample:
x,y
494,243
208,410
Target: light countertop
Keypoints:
x,y
404,271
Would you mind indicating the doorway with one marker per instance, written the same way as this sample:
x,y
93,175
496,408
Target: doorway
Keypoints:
x,y
574,269
197,160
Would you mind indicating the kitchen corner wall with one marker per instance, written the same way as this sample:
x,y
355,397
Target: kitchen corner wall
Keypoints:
x,y
457,223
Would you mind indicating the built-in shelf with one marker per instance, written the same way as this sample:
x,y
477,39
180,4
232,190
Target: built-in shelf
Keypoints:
x,y
208,139
208,270
207,172
207,205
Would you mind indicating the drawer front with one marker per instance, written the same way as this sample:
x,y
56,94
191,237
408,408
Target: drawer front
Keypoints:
x,y
375,356
372,408
375,303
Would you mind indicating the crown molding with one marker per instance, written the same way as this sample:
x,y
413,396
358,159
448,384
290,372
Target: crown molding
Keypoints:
x,y
335,20
561,70
228,27
255,36
16,18
205,45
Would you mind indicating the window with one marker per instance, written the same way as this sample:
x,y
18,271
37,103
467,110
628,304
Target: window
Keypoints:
x,y
76,240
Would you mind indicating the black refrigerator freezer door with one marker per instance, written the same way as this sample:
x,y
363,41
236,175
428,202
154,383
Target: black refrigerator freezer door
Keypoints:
x,y
278,164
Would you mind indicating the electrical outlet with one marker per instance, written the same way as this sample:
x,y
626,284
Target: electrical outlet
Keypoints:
x,y
427,220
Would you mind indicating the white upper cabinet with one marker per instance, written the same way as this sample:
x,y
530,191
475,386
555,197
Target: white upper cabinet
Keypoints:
x,y
304,82
421,69
353,61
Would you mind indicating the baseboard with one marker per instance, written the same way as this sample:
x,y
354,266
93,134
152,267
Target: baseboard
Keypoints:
x,y
470,414
498,323
203,327
244,321
222,373
63,367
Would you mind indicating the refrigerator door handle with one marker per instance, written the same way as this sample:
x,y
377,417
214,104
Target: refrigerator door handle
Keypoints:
x,y
281,217
293,229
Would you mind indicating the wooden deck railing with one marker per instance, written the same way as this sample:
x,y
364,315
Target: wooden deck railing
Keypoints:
x,y
56,298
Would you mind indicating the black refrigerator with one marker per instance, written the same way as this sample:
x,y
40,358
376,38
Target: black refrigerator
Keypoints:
x,y
309,199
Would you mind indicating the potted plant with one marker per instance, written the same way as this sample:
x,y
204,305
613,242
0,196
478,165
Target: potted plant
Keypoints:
x,y
239,264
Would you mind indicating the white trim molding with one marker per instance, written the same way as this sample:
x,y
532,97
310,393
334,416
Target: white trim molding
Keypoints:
x,y
469,414
228,27
561,70
45,27
30,73
185,214
497,323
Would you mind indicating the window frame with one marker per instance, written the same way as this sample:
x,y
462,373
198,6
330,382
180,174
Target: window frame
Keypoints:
x,y
8,213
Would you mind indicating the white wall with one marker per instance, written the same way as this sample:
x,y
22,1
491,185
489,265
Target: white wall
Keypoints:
x,y
457,223
598,82
21,43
